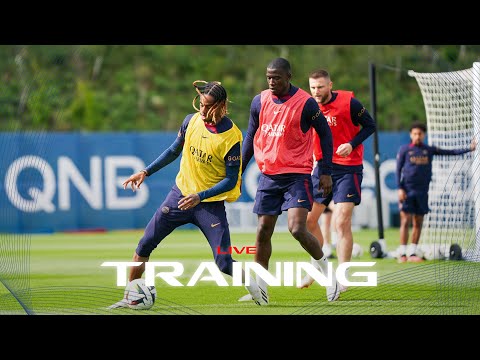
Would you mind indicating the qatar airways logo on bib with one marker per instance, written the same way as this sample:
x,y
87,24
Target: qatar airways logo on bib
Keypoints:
x,y
273,129
200,155
332,120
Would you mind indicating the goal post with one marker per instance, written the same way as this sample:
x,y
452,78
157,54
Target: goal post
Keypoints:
x,y
452,107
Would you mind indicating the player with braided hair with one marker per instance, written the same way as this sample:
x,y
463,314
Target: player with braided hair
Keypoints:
x,y
209,175
218,109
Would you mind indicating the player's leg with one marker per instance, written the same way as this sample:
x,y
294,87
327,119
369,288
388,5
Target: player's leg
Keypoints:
x,y
416,231
297,221
313,218
263,239
298,203
263,252
346,195
319,207
263,249
421,202
405,220
326,226
344,230
407,208
333,228
268,202
298,229
417,228
211,219
314,228
313,225
267,206
167,218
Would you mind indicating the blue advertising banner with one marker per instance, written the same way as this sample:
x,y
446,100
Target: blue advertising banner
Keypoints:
x,y
73,181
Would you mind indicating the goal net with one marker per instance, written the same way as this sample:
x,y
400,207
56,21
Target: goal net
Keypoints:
x,y
452,106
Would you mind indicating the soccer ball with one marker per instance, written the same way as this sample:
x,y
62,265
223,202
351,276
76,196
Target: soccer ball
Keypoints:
x,y
139,296
357,250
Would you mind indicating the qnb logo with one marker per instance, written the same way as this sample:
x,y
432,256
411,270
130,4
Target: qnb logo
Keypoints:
x,y
100,191
273,129
200,155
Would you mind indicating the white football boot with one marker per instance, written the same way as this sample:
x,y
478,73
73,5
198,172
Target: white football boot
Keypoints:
x,y
256,293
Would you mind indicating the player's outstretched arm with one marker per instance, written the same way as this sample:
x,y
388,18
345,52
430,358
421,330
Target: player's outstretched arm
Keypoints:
x,y
163,160
168,156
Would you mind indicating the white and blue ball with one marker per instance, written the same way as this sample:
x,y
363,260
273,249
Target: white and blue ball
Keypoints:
x,y
139,296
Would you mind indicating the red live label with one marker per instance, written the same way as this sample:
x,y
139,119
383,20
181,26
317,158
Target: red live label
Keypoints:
x,y
237,250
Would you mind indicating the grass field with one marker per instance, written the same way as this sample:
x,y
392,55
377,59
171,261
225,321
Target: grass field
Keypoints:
x,y
61,274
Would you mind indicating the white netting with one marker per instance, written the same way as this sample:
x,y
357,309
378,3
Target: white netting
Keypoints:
x,y
451,104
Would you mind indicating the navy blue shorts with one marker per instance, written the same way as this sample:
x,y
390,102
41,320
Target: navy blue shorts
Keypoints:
x,y
282,193
346,188
210,217
416,203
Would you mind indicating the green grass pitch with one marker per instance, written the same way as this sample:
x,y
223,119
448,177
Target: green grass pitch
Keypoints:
x,y
61,274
